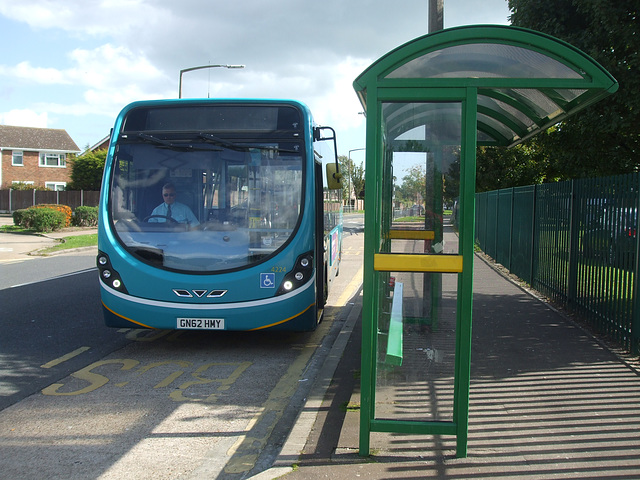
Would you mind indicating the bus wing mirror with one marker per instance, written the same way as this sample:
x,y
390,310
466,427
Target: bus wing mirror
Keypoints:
x,y
334,177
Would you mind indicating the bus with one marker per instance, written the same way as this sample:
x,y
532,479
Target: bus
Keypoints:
x,y
214,216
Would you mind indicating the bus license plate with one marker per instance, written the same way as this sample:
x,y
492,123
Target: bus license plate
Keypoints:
x,y
201,323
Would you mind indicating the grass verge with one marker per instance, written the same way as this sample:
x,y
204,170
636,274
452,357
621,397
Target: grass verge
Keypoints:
x,y
75,241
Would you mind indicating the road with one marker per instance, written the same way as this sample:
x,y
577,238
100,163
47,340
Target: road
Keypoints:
x,y
46,320
92,402
34,268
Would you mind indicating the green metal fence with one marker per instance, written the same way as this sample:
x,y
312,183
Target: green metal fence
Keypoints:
x,y
575,242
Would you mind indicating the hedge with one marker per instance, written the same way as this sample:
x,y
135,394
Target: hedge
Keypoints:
x,y
85,217
40,219
60,208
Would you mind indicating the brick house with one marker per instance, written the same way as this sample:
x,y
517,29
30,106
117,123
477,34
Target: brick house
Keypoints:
x,y
37,156
101,145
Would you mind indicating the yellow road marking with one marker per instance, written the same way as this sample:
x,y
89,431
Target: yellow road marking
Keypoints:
x,y
351,289
246,451
234,448
64,358
95,380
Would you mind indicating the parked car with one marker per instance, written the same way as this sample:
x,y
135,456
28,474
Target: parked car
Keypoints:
x,y
612,237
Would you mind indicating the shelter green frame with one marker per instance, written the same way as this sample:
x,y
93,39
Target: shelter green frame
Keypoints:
x,y
512,83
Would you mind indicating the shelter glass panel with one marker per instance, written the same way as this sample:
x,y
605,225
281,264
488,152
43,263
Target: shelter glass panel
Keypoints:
x,y
510,112
416,347
416,343
484,60
422,174
485,121
534,100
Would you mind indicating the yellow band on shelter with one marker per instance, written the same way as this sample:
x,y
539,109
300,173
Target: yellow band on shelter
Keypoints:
x,y
393,262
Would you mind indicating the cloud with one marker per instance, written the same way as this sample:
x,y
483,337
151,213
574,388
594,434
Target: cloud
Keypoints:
x,y
24,118
337,104
24,71
109,66
270,36
109,77
98,18
117,51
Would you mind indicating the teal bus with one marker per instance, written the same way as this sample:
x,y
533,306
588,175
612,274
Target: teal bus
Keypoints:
x,y
214,216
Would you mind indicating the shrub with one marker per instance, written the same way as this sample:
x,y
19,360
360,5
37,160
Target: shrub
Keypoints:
x,y
86,171
60,208
47,220
85,217
19,217
40,219
27,186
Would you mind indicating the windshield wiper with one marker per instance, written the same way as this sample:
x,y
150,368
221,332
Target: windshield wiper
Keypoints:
x,y
164,143
223,143
167,143
242,147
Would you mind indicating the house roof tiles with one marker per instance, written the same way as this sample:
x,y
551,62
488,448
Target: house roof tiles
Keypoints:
x,y
30,138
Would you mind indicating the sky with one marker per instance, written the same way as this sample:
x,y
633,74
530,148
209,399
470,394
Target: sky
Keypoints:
x,y
74,64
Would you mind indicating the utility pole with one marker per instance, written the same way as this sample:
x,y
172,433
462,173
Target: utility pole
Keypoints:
x,y
432,283
436,15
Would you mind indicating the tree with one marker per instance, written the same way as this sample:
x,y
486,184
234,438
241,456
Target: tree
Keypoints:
x,y
524,164
413,187
603,139
451,189
352,178
357,179
86,172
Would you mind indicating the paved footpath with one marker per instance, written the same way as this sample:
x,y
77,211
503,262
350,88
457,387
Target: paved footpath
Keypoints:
x,y
548,400
18,246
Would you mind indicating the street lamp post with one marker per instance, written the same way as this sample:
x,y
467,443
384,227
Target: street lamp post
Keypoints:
x,y
353,150
199,68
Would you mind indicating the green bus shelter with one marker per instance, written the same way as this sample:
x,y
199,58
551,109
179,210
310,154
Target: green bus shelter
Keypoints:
x,y
429,104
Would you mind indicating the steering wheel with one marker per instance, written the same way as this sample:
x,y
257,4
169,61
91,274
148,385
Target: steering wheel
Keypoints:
x,y
168,219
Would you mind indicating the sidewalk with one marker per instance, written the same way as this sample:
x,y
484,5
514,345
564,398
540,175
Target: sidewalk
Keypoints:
x,y
547,400
18,246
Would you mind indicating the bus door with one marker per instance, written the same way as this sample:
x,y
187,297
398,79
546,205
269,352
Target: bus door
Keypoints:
x,y
321,261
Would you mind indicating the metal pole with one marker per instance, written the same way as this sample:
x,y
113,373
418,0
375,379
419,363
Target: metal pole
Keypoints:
x,y
353,150
190,69
436,15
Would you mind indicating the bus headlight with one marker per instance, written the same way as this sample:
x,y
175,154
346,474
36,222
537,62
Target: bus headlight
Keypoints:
x,y
108,275
301,274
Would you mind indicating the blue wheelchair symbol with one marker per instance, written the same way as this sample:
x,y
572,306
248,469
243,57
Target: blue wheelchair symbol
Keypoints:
x,y
267,280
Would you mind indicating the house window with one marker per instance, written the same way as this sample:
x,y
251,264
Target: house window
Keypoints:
x,y
16,159
53,160
56,186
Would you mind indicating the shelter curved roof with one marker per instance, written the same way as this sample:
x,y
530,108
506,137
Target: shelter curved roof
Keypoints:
x,y
526,81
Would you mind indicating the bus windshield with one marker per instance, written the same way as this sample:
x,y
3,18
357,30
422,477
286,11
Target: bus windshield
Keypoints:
x,y
196,202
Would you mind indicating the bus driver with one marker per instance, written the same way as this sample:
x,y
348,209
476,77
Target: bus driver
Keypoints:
x,y
172,209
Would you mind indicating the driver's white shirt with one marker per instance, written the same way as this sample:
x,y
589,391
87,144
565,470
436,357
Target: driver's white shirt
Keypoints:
x,y
179,212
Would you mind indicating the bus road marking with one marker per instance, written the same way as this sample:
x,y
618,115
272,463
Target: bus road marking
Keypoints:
x,y
64,358
252,421
351,289
209,373
245,451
